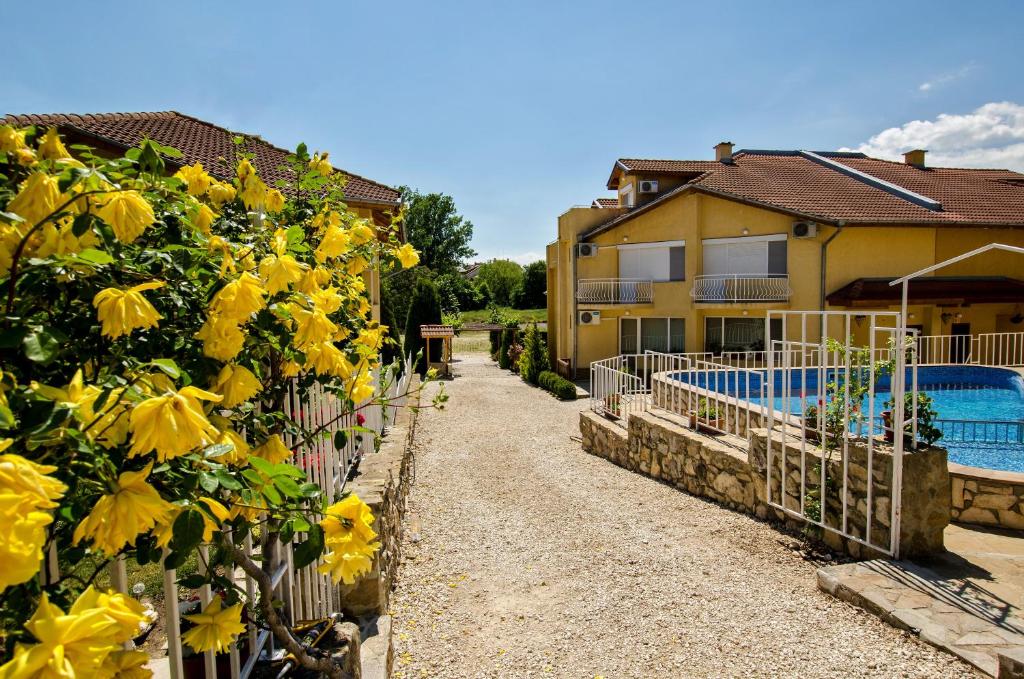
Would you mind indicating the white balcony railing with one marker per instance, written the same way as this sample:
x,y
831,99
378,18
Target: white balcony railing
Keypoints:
x,y
615,291
741,287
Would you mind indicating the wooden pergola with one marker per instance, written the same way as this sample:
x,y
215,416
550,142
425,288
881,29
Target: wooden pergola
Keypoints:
x,y
444,333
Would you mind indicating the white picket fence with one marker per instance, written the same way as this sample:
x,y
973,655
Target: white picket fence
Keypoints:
x,y
306,594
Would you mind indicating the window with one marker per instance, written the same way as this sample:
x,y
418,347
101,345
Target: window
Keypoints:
x,y
758,255
662,261
637,335
738,334
626,196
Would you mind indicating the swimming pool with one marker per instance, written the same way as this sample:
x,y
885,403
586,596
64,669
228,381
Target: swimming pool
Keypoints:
x,y
980,409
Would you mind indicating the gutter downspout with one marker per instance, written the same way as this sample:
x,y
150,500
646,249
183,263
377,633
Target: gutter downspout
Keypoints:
x,y
824,262
575,308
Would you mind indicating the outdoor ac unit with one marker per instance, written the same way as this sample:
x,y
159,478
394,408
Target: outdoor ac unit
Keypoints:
x,y
590,317
649,186
586,250
805,229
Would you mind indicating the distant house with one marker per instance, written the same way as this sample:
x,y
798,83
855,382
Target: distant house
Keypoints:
x,y
472,271
214,147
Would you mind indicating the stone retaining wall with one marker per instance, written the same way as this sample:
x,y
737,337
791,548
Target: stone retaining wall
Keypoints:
x,y
987,497
735,476
382,482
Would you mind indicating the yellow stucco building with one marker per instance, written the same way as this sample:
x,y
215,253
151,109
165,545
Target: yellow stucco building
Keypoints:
x,y
691,255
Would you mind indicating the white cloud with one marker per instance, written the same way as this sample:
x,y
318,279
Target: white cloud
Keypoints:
x,y
522,258
946,78
989,136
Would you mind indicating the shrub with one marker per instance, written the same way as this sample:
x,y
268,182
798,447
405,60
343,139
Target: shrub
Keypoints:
x,y
557,385
425,309
515,353
508,336
534,359
453,319
495,337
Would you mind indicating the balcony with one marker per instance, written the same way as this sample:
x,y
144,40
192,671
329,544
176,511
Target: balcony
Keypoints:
x,y
615,291
741,287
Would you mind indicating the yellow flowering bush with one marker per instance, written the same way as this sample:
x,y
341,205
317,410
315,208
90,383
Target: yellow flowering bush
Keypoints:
x,y
154,322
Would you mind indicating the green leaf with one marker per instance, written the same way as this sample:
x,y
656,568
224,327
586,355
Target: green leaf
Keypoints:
x,y
217,449
194,581
227,480
286,532
253,477
42,344
176,559
95,256
271,494
82,223
340,439
310,550
9,339
208,481
310,490
149,158
287,486
187,530
262,465
167,366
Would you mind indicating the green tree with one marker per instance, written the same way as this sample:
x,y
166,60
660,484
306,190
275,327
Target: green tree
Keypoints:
x,y
458,294
534,359
501,276
437,230
530,292
397,290
425,309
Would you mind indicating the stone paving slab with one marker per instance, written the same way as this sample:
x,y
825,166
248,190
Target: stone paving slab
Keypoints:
x,y
951,613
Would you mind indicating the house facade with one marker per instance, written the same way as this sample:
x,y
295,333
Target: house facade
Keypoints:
x,y
692,255
213,146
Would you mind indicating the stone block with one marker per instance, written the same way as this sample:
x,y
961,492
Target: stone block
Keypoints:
x,y
1011,519
990,501
985,517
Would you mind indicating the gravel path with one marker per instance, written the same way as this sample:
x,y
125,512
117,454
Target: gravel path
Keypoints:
x,y
525,556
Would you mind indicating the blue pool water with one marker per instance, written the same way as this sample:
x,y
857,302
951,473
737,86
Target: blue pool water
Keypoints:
x,y
973,404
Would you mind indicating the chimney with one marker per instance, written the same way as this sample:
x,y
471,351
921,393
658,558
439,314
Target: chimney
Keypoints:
x,y
915,158
723,151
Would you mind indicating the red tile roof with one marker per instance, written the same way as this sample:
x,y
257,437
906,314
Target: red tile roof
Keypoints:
x,y
198,140
850,188
606,202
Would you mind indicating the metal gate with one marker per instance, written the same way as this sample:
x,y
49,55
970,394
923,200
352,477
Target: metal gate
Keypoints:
x,y
833,382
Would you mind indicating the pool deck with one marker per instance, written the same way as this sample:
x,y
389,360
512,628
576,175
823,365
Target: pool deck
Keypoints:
x,y
969,601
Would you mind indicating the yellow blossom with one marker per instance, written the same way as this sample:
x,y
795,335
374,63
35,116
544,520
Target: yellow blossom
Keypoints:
x,y
121,311
196,179
274,201
128,214
127,665
172,424
253,191
239,299
28,485
37,198
221,193
215,628
290,369
119,607
202,217
327,359
239,452
356,265
408,256
11,140
335,243
361,387
273,450
236,384
117,519
361,233
212,524
313,327
222,338
280,272
228,262
22,536
327,300
321,164
349,539
51,147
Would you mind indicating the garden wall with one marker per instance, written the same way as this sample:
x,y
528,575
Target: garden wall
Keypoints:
x,y
987,497
706,466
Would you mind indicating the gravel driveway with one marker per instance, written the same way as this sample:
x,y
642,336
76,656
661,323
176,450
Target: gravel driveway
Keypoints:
x,y
525,556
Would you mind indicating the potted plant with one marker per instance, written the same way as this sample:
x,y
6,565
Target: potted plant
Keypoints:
x,y
613,405
705,418
810,423
927,432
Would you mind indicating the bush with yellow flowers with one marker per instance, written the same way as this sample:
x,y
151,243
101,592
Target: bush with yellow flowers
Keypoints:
x,y
152,325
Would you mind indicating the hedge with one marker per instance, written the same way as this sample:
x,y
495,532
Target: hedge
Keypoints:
x,y
557,385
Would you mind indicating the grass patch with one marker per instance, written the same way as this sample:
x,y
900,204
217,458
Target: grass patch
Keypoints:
x,y
470,342
522,315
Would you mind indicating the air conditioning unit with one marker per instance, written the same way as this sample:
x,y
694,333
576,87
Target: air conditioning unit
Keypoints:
x,y
649,186
805,229
590,318
586,250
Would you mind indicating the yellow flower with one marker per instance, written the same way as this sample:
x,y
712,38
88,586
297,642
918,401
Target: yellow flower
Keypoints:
x,y
239,299
239,452
22,536
290,369
28,483
228,262
127,665
119,607
335,243
408,256
327,359
370,340
51,147
236,384
11,140
280,272
117,519
361,388
313,327
70,645
321,164
121,311
273,450
222,338
128,213
172,424
327,300
345,566
215,628
202,217
220,513
349,539
196,179
356,265
253,191
221,193
37,198
361,233
274,201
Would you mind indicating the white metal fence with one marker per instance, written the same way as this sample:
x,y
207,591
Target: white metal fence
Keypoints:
x,y
740,288
615,291
1000,349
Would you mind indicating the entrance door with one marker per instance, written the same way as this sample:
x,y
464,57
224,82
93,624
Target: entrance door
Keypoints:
x,y
960,343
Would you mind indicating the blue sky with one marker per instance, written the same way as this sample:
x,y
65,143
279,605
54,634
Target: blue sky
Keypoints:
x,y
519,110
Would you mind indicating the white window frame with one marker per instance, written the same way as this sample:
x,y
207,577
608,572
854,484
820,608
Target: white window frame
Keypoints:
x,y
763,238
653,245
639,336
627,196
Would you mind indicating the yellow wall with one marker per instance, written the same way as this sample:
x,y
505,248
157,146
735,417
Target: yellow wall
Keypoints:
x,y
857,252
